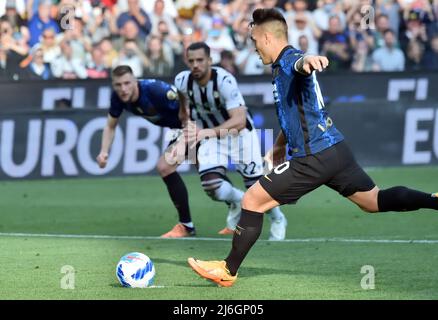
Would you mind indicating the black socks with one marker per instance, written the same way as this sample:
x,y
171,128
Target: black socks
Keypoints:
x,y
404,199
178,193
247,232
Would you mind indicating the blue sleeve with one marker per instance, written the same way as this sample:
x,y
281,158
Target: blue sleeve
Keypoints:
x,y
116,107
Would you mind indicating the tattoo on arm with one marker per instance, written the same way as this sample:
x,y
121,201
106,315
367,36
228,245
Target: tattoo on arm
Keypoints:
x,y
299,66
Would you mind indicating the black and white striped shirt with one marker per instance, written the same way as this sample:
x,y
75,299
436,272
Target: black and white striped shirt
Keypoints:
x,y
209,105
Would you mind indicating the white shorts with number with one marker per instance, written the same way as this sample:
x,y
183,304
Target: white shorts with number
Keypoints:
x,y
243,151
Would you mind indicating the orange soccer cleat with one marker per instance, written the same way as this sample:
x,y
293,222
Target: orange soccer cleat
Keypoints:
x,y
215,271
179,231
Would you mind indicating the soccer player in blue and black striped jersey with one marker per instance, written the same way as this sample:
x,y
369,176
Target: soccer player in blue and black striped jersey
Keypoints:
x,y
319,154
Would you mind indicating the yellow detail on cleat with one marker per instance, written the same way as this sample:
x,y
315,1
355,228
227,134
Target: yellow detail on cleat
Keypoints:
x,y
215,271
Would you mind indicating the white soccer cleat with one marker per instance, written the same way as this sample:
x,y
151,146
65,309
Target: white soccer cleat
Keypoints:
x,y
278,228
233,215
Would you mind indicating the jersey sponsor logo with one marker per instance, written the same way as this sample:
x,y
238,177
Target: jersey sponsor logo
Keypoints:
x,y
171,95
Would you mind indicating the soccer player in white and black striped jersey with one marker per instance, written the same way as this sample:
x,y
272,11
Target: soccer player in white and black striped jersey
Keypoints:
x,y
222,125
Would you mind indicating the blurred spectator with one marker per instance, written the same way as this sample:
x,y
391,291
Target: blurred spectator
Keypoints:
x,y
158,63
227,62
138,15
96,68
11,41
301,26
335,45
110,55
169,7
170,41
296,6
391,9
41,21
415,30
65,66
37,69
131,32
241,36
9,61
206,13
249,62
430,61
326,10
49,45
78,39
271,4
19,6
356,32
303,44
158,15
181,63
361,58
219,39
132,56
382,24
11,14
389,57
98,23
414,56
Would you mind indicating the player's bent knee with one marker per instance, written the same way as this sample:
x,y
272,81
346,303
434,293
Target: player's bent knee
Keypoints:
x,y
215,186
164,169
257,199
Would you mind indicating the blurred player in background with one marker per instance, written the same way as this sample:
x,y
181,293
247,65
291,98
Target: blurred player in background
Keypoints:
x,y
223,128
319,154
159,103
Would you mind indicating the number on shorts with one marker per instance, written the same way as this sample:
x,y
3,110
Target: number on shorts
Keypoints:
x,y
282,167
248,166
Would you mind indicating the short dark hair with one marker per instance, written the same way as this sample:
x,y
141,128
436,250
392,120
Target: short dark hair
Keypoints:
x,y
199,45
121,70
261,16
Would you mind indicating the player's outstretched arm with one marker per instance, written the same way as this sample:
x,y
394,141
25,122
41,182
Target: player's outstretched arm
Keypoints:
x,y
107,140
307,64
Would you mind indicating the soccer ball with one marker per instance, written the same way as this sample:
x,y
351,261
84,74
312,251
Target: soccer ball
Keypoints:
x,y
135,270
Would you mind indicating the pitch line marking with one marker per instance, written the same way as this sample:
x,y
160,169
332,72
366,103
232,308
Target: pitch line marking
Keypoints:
x,y
298,240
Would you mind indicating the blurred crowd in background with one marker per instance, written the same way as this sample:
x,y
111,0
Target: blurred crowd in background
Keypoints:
x,y
85,39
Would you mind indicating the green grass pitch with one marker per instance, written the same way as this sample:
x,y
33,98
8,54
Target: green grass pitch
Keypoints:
x,y
327,267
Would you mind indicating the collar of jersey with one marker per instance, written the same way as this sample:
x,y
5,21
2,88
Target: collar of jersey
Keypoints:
x,y
277,61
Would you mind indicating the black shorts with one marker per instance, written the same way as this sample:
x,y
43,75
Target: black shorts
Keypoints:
x,y
334,167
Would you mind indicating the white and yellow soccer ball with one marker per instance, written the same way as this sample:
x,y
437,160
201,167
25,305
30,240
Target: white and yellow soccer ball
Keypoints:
x,y
135,270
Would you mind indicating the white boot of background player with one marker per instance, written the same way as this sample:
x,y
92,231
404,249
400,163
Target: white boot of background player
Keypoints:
x,y
278,221
278,224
